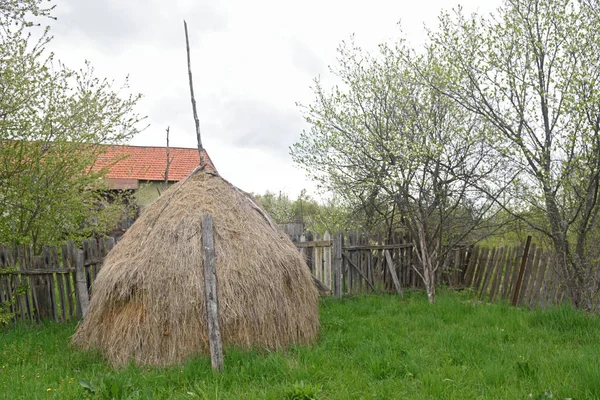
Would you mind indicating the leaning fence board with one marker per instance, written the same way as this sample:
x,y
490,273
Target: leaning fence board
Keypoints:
x,y
391,268
497,274
532,267
481,269
471,266
542,270
347,256
488,272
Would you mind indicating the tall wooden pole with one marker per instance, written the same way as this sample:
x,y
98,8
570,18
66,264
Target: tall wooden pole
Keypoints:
x,y
210,293
196,120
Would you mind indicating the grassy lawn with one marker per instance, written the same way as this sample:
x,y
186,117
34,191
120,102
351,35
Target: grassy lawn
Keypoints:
x,y
376,347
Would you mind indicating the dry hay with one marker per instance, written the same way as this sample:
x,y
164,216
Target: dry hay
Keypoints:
x,y
148,300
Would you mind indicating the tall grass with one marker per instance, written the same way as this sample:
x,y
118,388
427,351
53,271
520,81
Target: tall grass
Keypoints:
x,y
375,347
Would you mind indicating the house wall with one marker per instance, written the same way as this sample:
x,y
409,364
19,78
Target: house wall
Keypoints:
x,y
148,191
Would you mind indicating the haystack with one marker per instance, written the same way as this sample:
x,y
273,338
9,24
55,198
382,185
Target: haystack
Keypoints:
x,y
148,300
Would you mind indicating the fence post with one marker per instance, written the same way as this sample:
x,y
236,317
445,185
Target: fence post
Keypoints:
x,y
210,294
337,265
83,297
521,271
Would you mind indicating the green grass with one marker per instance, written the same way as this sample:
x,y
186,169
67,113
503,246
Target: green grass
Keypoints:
x,y
376,347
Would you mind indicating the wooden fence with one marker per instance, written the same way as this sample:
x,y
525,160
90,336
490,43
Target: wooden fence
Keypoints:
x,y
370,263
366,263
40,287
35,287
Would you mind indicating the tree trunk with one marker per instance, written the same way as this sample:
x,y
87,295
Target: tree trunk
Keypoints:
x,y
427,264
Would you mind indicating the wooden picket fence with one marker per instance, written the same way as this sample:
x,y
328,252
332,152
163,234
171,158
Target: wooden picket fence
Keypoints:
x,y
54,285
57,284
521,275
370,263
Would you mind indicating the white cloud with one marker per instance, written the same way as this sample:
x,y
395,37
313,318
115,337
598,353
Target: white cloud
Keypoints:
x,y
252,61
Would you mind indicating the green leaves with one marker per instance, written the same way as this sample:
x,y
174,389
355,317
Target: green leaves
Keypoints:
x,y
53,121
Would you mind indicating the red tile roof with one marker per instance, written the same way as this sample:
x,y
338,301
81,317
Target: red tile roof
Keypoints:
x,y
149,163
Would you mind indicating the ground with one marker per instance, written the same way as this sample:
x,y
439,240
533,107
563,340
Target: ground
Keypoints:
x,y
372,347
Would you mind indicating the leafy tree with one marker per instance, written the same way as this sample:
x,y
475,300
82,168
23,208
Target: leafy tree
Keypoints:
x,y
53,121
531,71
385,140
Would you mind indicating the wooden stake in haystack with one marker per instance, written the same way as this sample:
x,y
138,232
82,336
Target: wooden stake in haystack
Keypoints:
x,y
211,300
196,120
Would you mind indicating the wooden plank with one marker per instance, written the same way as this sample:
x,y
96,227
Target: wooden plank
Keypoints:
x,y
481,267
41,289
211,294
391,268
534,267
378,247
94,253
48,264
3,291
359,258
313,243
377,270
521,271
471,265
498,273
456,269
303,249
21,305
22,266
527,274
347,256
515,272
110,243
33,284
67,280
337,265
547,285
318,259
488,272
505,283
40,271
368,261
327,260
350,272
310,252
72,253
80,283
542,268
60,285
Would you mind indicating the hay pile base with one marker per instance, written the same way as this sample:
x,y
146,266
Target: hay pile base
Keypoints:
x,y
147,303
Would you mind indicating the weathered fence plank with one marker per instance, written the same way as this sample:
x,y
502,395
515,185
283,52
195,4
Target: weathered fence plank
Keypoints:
x,y
327,262
392,270
81,284
337,265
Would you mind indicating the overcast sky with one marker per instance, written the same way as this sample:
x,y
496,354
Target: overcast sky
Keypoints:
x,y
251,60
